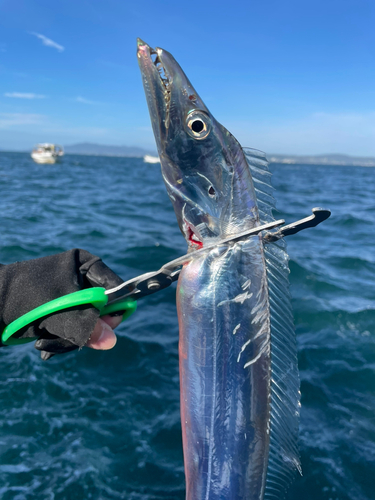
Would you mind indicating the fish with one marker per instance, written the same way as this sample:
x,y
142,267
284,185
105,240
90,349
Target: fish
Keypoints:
x,y
239,382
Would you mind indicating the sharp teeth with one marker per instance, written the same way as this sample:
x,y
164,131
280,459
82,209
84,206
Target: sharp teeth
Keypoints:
x,y
162,72
165,80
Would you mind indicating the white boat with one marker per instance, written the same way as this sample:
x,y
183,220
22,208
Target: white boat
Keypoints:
x,y
47,153
151,159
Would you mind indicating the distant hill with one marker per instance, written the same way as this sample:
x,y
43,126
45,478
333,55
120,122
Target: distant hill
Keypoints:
x,y
87,148
91,149
328,159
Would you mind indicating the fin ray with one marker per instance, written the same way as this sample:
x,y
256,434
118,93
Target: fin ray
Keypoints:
x,y
283,460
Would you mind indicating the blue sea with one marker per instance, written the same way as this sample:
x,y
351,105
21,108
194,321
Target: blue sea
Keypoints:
x,y
106,425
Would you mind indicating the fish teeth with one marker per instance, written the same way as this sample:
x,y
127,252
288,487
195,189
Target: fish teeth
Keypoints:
x,y
163,74
165,80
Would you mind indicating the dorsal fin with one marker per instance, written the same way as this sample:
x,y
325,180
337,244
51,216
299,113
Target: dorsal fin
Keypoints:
x,y
283,458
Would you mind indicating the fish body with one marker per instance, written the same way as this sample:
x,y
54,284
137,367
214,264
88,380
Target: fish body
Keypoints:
x,y
238,370
225,373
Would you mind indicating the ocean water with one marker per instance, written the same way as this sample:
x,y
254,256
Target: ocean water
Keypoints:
x,y
105,425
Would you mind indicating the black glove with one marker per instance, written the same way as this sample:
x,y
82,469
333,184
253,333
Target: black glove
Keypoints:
x,y
27,285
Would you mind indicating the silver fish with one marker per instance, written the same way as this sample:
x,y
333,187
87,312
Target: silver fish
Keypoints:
x,y
238,364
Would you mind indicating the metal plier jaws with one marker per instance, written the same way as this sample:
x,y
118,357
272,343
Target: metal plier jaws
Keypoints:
x,y
319,215
149,283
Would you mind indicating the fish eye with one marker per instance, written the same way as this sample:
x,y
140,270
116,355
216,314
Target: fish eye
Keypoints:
x,y
211,191
198,125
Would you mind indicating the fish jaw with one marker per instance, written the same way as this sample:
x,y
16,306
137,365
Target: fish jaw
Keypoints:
x,y
155,90
171,98
165,83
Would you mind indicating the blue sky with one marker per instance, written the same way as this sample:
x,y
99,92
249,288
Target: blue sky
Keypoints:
x,y
283,76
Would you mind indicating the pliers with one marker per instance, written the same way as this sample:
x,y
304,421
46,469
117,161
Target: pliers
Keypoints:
x,y
125,296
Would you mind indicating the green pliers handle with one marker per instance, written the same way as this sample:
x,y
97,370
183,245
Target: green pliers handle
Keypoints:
x,y
95,296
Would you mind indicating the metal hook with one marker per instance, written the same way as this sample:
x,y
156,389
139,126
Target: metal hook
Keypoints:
x,y
319,215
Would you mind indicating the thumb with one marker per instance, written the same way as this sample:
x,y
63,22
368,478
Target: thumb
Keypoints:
x,y
102,337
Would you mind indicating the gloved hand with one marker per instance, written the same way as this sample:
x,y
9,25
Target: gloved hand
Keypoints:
x,y
29,284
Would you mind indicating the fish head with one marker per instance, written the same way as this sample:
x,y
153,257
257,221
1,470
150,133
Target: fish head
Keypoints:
x,y
203,165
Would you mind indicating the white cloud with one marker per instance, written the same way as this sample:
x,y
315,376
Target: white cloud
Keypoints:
x,y
85,101
48,42
10,119
24,95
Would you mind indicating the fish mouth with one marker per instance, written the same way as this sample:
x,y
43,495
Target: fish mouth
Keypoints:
x,y
157,80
